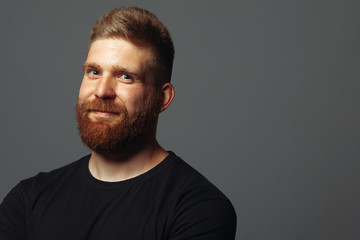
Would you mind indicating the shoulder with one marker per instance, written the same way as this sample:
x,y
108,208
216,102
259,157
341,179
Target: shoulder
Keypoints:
x,y
192,183
202,211
50,179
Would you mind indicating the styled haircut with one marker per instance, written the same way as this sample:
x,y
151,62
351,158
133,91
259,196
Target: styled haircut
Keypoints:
x,y
143,29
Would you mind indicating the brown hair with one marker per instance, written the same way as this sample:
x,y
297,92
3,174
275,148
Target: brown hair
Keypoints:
x,y
142,28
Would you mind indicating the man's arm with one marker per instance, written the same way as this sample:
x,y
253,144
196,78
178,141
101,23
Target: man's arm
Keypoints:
x,y
13,215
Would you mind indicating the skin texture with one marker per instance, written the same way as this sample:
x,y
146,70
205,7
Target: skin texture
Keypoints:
x,y
116,71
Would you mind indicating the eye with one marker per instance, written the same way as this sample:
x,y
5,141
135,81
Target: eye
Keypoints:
x,y
93,72
125,77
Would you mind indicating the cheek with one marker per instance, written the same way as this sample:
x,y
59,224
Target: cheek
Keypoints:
x,y
84,91
133,99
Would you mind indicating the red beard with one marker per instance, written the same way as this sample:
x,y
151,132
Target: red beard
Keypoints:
x,y
113,135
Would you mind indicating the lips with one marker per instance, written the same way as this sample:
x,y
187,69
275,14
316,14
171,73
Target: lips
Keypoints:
x,y
103,114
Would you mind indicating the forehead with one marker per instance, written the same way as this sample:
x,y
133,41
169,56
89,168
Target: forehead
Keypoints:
x,y
118,52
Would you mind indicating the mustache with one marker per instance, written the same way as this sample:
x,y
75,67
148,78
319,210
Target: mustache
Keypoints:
x,y
101,106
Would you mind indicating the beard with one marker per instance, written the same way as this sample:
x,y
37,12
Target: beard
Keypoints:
x,y
116,134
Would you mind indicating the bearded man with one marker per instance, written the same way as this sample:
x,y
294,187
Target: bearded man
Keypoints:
x,y
129,187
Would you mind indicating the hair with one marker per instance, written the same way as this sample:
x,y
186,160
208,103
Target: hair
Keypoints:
x,y
143,29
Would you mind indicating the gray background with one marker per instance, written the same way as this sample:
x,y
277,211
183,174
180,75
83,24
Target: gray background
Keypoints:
x,y
266,106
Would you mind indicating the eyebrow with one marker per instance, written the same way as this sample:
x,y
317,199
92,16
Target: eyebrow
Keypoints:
x,y
90,65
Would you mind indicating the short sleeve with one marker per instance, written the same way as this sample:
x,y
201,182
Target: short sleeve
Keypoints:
x,y
206,220
13,215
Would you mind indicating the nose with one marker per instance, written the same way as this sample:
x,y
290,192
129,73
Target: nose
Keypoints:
x,y
105,88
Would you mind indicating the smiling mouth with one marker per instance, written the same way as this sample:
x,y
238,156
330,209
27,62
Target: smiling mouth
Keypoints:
x,y
103,114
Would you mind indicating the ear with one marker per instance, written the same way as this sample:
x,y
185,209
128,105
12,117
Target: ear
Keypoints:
x,y
167,95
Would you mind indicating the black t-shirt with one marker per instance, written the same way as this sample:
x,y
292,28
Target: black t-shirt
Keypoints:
x,y
170,201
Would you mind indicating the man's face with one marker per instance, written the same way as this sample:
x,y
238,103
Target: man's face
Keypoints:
x,y
117,103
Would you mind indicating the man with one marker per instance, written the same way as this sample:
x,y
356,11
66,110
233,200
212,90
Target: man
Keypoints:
x,y
129,187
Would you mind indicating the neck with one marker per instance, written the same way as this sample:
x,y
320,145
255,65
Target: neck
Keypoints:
x,y
126,164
